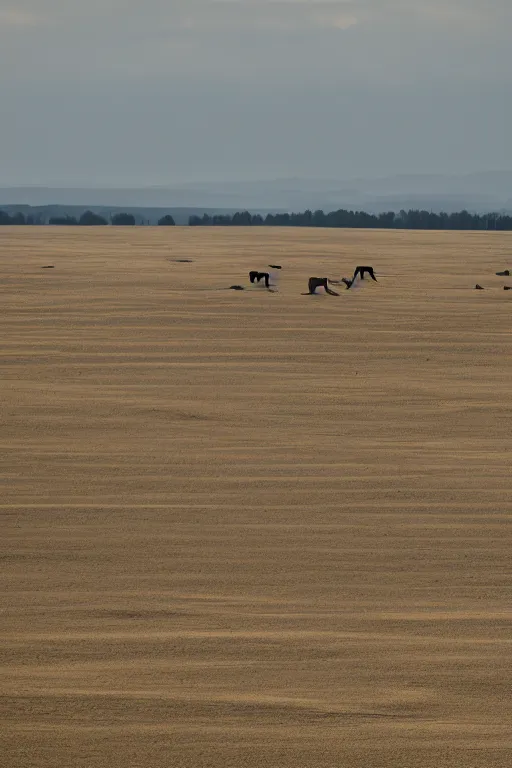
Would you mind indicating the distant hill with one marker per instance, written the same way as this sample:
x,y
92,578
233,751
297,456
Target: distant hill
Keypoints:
x,y
478,192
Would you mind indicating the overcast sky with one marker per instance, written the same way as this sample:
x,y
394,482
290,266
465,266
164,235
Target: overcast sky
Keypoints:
x,y
122,92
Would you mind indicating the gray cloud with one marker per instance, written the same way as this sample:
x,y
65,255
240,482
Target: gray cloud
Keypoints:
x,y
291,86
365,39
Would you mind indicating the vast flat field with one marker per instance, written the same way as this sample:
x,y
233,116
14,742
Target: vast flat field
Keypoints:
x,y
247,529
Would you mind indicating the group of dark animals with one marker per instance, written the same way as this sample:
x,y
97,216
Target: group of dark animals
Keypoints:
x,y
505,273
323,282
314,282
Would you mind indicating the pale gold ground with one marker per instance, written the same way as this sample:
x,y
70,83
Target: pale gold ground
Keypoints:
x,y
244,529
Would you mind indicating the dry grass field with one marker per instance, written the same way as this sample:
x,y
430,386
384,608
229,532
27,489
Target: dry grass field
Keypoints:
x,y
251,529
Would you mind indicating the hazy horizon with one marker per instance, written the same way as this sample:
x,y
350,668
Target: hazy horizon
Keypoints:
x,y
116,94
261,179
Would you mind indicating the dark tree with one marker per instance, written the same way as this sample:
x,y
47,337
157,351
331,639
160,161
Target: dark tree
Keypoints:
x,y
504,223
318,219
90,219
307,219
220,220
123,220
242,219
167,221
386,220
62,221
204,221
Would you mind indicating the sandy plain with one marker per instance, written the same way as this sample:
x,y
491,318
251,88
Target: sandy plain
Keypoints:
x,y
244,529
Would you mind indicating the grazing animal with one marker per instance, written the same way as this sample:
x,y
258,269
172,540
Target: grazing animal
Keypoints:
x,y
361,272
256,277
507,287
319,282
505,273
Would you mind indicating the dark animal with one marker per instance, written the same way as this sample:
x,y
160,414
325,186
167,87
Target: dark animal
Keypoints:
x,y
505,273
478,287
361,272
319,282
256,277
507,287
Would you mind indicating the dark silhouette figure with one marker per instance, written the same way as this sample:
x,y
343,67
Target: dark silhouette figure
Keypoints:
x,y
319,282
361,272
505,273
274,266
256,277
478,287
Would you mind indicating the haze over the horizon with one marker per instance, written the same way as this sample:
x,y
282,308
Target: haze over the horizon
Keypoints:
x,y
119,92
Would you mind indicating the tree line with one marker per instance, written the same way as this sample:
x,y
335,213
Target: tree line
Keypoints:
x,y
412,219
87,219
